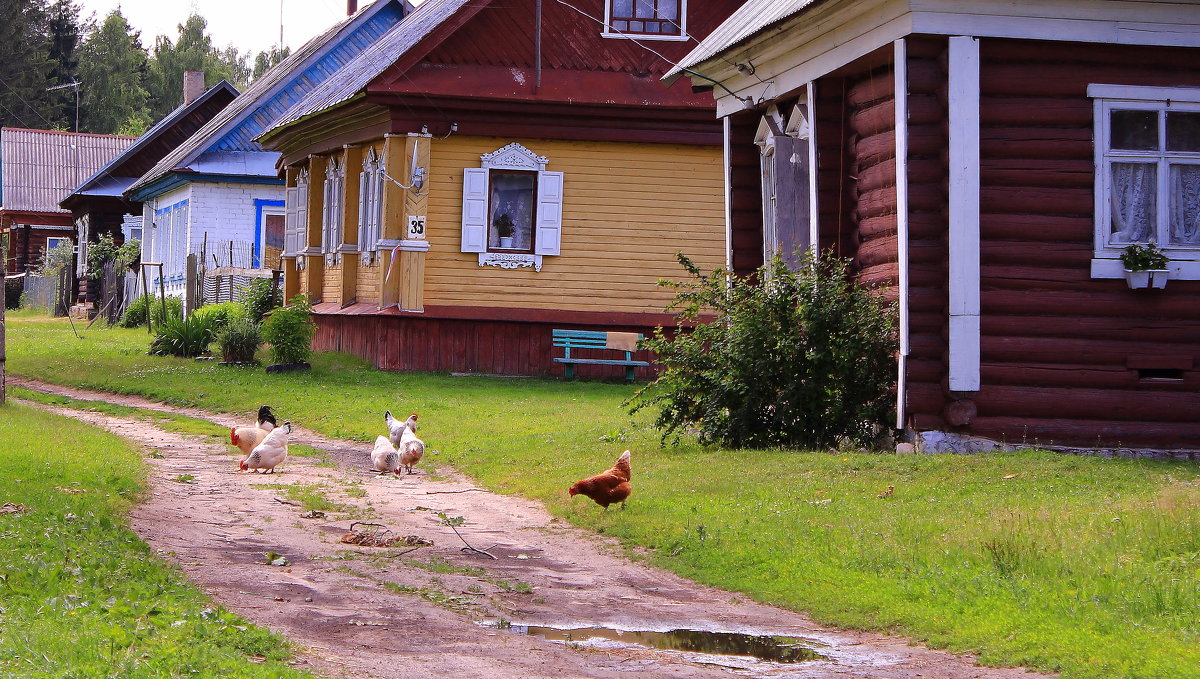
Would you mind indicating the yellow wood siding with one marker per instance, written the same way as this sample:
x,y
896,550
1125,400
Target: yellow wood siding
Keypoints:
x,y
627,209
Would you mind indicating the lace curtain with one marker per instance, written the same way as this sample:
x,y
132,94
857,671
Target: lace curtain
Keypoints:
x,y
1133,193
1185,205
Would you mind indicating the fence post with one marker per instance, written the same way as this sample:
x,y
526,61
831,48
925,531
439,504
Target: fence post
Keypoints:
x,y
189,285
3,358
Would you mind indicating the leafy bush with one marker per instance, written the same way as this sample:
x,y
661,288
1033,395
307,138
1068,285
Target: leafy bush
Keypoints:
x,y
258,299
180,337
805,359
103,251
221,315
239,340
128,253
56,258
135,314
289,330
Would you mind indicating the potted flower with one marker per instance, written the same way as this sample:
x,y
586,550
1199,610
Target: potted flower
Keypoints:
x,y
1145,266
505,229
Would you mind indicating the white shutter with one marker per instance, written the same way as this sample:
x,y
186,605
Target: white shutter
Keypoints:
x,y
364,205
474,210
291,202
549,213
300,233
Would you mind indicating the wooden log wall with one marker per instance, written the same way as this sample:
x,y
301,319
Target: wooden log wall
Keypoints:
x,y
871,123
465,345
1061,350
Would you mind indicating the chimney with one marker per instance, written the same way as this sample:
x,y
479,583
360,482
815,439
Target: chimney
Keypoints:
x,y
351,7
193,86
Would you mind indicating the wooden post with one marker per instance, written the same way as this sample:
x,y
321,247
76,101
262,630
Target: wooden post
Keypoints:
x,y
3,300
189,284
146,292
162,292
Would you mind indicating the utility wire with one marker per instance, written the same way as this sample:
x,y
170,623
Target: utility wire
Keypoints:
x,y
31,107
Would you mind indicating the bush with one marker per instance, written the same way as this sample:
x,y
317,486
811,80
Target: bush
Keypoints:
x,y
806,359
239,340
14,288
221,315
289,330
135,313
259,301
57,258
186,338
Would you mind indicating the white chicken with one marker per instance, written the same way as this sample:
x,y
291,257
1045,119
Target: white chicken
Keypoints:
x,y
248,438
396,428
384,456
411,447
271,452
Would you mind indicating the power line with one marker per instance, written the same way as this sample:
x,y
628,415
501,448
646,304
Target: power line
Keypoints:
x,y
30,106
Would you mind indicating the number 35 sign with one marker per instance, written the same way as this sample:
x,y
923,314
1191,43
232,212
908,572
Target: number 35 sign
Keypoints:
x,y
416,227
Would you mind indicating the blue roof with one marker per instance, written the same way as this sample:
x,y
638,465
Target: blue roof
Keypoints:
x,y
266,100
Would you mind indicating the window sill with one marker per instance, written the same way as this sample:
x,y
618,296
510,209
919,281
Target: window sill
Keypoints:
x,y
510,261
1186,270
644,36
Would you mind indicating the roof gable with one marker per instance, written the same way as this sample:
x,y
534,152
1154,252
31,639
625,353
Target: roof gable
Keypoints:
x,y
39,167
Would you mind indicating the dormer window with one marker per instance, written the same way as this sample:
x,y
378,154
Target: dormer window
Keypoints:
x,y
642,19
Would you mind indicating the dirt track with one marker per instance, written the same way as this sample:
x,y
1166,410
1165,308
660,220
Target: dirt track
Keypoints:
x,y
332,597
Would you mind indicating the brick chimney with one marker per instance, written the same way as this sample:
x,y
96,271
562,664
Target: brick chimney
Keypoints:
x,y
351,7
193,86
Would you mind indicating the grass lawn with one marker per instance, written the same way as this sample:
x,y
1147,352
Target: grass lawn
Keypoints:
x,y
80,594
1087,566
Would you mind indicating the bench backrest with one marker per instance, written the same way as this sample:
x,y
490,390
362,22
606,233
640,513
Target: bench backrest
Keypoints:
x,y
581,339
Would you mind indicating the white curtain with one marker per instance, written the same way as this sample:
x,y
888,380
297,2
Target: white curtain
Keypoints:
x,y
1184,205
1133,204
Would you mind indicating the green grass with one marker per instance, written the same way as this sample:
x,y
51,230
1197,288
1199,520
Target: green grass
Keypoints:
x,y
1088,566
80,594
310,496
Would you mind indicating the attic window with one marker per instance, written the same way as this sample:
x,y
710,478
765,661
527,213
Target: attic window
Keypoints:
x,y
654,19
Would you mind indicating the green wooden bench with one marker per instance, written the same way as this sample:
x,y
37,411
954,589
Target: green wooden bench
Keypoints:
x,y
590,339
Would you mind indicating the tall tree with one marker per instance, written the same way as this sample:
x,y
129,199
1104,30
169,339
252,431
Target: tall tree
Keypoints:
x,y
238,65
192,51
265,61
26,65
111,70
63,34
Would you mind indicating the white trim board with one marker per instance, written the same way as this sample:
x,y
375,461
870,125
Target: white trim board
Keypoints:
x,y
963,94
900,59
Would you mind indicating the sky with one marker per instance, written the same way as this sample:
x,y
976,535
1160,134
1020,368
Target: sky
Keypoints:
x,y
249,25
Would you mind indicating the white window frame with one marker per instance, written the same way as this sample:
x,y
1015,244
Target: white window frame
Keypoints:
x,y
1106,263
296,217
547,224
772,127
370,207
331,210
59,242
610,32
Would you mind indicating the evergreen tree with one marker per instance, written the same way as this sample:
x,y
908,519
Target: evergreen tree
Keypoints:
x,y
113,64
265,61
26,66
193,51
63,33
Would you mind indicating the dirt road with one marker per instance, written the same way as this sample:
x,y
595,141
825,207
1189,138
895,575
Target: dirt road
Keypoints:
x,y
423,611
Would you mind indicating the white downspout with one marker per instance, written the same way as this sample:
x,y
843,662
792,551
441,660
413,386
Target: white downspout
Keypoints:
x,y
900,56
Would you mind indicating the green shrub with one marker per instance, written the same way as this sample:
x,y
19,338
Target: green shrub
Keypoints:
x,y
239,340
805,359
221,315
56,258
1147,257
289,330
258,299
180,337
135,313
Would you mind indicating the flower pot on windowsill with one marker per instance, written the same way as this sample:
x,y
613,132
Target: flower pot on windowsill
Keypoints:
x,y
506,241
1147,278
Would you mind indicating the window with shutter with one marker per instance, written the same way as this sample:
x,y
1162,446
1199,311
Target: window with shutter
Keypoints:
x,y
331,214
296,238
370,206
512,209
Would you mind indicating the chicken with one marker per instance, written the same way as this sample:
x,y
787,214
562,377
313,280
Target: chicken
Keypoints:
x,y
246,438
396,428
411,447
609,487
385,457
271,452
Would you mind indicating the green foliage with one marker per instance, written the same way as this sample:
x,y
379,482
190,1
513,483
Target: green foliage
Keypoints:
x,y
193,50
137,311
259,299
71,569
804,359
128,253
26,67
267,60
185,337
1147,257
57,258
289,330
239,340
103,251
114,99
222,314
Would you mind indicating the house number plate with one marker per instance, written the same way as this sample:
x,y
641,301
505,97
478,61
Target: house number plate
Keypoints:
x,y
416,227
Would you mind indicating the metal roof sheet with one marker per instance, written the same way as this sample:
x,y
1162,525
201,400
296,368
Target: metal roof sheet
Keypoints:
x,y
360,71
38,168
743,24
235,127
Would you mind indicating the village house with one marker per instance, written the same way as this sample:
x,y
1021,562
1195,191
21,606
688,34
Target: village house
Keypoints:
x,y
986,163
488,172
218,193
37,169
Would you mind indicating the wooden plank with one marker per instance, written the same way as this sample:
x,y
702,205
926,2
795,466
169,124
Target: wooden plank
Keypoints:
x,y
964,138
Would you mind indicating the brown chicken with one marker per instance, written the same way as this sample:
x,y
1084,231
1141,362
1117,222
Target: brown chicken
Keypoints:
x,y
609,487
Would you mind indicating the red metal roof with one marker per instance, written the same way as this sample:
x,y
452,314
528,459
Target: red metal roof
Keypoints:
x,y
38,168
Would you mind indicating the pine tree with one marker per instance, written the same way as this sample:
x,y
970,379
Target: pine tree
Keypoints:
x,y
193,51
113,63
63,33
25,68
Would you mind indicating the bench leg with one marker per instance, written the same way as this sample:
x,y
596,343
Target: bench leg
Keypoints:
x,y
629,373
569,371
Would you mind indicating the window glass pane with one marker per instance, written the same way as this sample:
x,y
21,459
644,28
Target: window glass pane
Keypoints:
x,y
1183,131
635,26
652,27
1133,202
1183,200
644,9
622,8
620,26
510,210
1135,130
668,9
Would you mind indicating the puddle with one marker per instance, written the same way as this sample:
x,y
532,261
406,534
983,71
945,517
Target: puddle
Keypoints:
x,y
770,648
